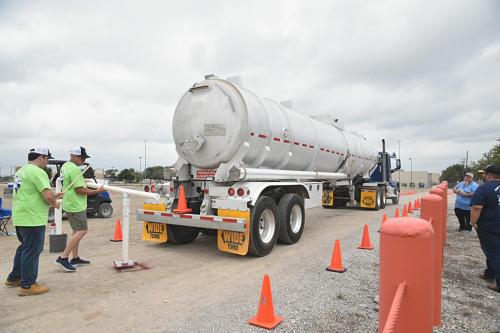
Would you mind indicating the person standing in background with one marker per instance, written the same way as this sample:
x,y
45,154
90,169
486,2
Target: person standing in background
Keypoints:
x,y
464,191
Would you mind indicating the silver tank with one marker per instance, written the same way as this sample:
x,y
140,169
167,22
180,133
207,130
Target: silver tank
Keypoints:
x,y
215,118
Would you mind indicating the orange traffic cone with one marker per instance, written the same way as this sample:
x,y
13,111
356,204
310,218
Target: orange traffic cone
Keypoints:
x,y
365,241
118,232
418,203
410,210
405,211
336,262
265,314
182,204
396,212
415,205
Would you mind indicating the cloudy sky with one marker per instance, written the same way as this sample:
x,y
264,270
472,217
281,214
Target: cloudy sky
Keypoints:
x,y
108,74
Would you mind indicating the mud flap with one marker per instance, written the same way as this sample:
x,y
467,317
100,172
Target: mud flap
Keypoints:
x,y
368,199
327,198
233,241
154,232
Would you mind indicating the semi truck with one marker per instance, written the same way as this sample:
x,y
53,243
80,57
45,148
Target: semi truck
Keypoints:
x,y
249,166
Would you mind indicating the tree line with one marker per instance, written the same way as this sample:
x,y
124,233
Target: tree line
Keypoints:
x,y
131,175
455,173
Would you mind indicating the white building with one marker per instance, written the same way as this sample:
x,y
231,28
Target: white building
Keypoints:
x,y
416,179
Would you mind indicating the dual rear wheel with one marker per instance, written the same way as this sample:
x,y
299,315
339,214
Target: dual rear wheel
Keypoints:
x,y
270,222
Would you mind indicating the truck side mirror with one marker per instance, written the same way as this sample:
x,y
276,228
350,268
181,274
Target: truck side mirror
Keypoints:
x,y
398,164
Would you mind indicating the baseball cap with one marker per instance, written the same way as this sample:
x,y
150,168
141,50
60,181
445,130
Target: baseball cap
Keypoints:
x,y
469,174
79,151
42,151
494,169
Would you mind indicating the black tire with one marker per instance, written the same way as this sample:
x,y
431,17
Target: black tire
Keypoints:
x,y
340,203
181,235
264,216
383,198
292,218
378,200
105,210
395,200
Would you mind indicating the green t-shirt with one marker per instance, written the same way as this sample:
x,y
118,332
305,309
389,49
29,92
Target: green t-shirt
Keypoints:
x,y
29,208
72,201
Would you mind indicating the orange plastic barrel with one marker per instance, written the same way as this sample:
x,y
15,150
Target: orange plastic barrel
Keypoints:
x,y
444,209
431,210
407,254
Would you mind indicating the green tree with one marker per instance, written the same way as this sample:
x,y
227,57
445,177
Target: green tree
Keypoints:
x,y
490,157
154,172
453,174
128,175
110,173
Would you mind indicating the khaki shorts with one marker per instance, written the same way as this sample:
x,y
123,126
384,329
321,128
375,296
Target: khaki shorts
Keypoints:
x,y
78,220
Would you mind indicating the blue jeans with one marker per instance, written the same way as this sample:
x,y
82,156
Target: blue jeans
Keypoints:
x,y
27,255
490,244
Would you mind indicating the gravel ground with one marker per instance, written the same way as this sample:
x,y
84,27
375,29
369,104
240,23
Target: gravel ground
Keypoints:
x,y
196,288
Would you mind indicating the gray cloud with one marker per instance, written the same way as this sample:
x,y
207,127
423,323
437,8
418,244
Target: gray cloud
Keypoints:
x,y
109,74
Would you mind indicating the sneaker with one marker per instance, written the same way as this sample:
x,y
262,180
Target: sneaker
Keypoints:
x,y
79,262
34,289
12,283
64,263
494,287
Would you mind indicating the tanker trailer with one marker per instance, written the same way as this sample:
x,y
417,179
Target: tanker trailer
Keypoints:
x,y
249,166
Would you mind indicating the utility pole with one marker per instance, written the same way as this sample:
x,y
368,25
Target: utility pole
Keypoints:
x,y
466,159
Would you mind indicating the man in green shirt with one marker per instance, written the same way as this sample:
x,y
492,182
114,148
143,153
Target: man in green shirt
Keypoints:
x,y
32,197
75,206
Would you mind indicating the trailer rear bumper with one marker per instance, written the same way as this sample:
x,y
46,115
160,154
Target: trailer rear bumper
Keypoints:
x,y
193,220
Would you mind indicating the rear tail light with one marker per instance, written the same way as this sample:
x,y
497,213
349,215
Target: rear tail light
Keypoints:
x,y
231,191
146,188
153,188
241,192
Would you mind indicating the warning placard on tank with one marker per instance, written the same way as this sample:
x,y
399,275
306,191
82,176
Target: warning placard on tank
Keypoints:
x,y
215,130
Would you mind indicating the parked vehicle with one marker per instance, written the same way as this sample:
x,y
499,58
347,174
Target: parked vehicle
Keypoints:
x,y
249,166
99,204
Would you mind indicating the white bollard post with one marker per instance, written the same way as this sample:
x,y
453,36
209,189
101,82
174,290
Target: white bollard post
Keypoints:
x,y
58,212
126,262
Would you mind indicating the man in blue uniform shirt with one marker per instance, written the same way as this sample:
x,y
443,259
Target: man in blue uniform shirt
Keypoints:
x,y
485,217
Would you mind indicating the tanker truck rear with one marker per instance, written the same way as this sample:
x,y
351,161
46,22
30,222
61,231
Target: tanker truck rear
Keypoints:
x,y
249,166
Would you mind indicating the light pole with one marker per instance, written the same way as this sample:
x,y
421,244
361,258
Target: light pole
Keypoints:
x,y
411,170
140,167
145,142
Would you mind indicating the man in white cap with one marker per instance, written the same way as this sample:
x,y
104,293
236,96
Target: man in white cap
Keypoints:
x,y
32,197
75,206
464,191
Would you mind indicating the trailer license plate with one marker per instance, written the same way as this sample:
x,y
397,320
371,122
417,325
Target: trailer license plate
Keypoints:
x,y
155,232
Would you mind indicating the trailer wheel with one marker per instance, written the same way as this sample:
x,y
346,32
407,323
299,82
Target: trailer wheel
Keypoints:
x,y
264,227
383,200
378,200
292,218
181,235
